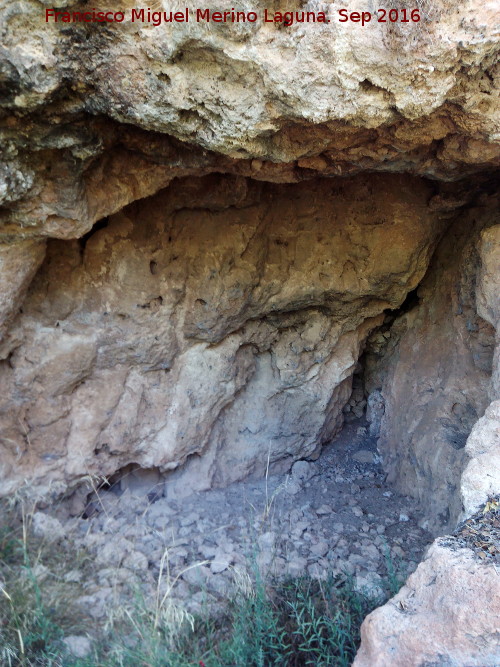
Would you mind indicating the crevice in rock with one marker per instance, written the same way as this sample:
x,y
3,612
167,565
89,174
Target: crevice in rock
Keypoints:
x,y
83,240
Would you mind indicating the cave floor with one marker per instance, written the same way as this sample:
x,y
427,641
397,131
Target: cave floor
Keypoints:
x,y
331,516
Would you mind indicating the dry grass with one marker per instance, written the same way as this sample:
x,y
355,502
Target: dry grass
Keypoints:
x,y
299,622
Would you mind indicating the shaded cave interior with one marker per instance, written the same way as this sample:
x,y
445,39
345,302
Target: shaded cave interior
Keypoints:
x,y
224,328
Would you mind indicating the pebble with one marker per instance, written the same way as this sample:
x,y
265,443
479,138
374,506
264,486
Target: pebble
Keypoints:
x,y
78,646
220,563
309,531
319,549
363,456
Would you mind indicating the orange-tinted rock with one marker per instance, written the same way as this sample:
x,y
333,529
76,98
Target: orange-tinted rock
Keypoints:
x,y
446,614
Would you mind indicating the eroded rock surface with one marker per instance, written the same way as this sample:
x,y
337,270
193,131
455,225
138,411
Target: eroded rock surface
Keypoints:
x,y
434,371
258,99
215,324
212,331
446,614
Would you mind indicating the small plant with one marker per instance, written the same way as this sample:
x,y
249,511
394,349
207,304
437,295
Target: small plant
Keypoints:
x,y
28,625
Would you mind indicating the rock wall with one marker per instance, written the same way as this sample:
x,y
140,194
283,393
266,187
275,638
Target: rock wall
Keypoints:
x,y
444,615
481,477
446,612
434,371
213,325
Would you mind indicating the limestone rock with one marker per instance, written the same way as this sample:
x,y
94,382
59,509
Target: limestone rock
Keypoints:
x,y
488,297
47,527
436,373
363,456
481,477
257,100
446,613
375,411
18,264
78,646
191,337
488,294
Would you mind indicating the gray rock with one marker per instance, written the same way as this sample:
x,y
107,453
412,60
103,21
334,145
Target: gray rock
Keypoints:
x,y
78,646
220,563
375,411
363,456
319,549
302,471
47,527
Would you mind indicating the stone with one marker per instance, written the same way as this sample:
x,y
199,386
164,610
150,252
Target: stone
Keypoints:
x,y
302,471
487,291
47,527
375,411
369,583
112,553
267,540
448,607
481,477
226,365
143,482
220,562
297,566
136,561
436,378
324,510
319,549
363,456
197,575
317,571
78,646
292,487
97,605
18,264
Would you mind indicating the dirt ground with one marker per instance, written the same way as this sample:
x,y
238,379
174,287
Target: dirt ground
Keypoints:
x,y
331,516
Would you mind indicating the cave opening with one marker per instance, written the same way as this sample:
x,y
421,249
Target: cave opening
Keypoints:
x,y
231,362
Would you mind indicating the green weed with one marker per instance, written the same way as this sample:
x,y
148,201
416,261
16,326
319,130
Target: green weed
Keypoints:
x,y
295,623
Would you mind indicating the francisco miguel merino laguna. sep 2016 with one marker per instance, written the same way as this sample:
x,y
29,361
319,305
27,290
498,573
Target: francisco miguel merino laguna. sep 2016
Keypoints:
x,y
156,18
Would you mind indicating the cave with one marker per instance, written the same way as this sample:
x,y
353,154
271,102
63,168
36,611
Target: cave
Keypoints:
x,y
213,330
249,316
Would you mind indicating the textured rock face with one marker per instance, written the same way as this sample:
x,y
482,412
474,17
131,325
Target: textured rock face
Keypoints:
x,y
229,329
440,616
217,324
446,614
481,477
488,294
436,372
236,87
327,99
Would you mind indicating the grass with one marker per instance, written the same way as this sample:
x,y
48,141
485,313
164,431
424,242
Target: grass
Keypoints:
x,y
292,623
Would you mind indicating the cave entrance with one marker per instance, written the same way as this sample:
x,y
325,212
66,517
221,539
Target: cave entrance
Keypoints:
x,y
206,341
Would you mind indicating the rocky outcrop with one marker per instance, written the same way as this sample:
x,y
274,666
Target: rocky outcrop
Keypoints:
x,y
213,333
264,100
434,372
446,614
220,247
481,477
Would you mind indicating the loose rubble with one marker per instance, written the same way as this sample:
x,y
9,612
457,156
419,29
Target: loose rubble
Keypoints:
x,y
332,516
